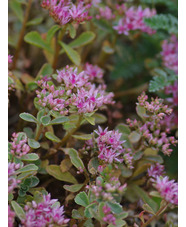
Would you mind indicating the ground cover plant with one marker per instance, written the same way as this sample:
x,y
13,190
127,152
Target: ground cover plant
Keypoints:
x,y
93,113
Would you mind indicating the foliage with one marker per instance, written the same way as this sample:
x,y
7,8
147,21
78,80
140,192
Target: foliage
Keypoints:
x,y
82,151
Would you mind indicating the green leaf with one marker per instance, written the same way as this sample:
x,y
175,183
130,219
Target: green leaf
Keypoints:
x,y
147,208
72,54
75,159
17,9
72,31
30,157
165,22
45,120
89,223
18,210
52,137
31,86
122,215
34,181
155,194
27,168
93,165
100,209
99,118
90,119
141,111
35,39
33,143
55,171
161,79
59,120
82,199
145,197
84,39
76,214
73,188
40,114
28,117
123,128
83,136
45,70
154,158
90,210
51,32
119,223
116,208
140,169
35,21
134,137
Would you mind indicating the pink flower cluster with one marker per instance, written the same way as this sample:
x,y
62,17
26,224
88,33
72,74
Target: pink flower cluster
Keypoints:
x,y
64,11
133,20
156,170
93,71
172,120
170,53
105,13
51,98
109,217
151,129
10,59
168,189
19,146
11,216
109,145
107,191
76,92
45,213
12,179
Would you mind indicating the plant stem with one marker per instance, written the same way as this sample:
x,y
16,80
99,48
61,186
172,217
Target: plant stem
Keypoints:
x,y
155,216
57,47
69,134
132,91
21,36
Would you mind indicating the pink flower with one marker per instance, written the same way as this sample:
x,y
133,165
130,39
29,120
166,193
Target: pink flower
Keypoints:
x,y
71,78
156,170
10,59
11,216
19,146
79,13
152,129
45,213
75,92
167,189
133,20
64,11
109,145
12,179
170,53
109,217
93,71
89,100
105,13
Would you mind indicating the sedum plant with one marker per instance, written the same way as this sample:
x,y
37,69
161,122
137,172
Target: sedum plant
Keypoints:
x,y
73,158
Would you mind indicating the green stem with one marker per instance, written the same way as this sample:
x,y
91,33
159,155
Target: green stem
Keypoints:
x,y
57,47
21,36
38,133
69,134
155,216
